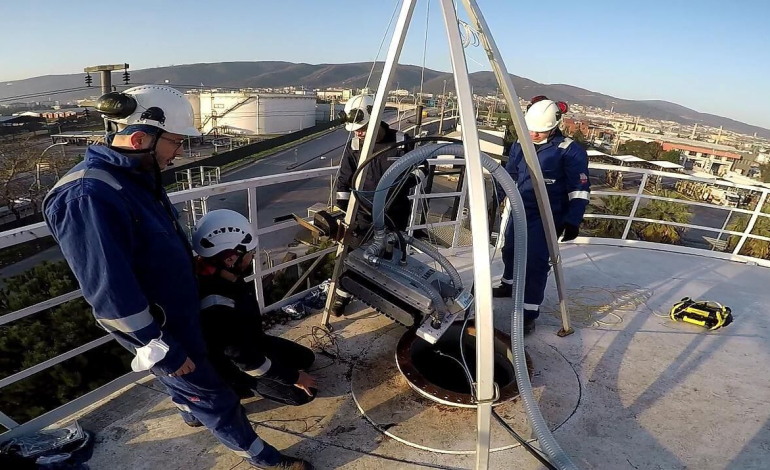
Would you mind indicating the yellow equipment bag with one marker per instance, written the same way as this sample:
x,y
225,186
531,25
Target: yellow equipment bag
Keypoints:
x,y
710,315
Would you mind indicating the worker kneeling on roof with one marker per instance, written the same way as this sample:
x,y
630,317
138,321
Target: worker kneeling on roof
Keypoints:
x,y
252,362
118,231
356,116
564,164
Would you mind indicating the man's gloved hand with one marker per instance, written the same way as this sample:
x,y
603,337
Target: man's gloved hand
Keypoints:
x,y
570,232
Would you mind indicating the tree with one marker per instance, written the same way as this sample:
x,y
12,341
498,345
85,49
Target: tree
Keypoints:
x,y
26,174
672,156
509,138
752,247
609,228
643,150
578,137
764,171
664,211
34,339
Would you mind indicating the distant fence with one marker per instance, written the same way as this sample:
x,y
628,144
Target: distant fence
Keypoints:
x,y
242,152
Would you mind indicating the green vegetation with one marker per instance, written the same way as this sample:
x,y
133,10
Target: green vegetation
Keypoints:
x,y
44,335
643,150
752,247
664,211
672,156
764,171
578,137
608,228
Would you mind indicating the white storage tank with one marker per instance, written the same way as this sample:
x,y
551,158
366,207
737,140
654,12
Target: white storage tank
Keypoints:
x,y
248,113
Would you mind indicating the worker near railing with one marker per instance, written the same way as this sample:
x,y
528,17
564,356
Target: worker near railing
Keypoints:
x,y
356,116
251,361
564,165
119,233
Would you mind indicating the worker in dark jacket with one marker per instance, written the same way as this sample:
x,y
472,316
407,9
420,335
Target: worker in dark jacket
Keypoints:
x,y
357,114
118,231
246,358
564,164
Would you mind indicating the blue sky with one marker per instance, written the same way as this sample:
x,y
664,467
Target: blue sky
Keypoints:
x,y
712,56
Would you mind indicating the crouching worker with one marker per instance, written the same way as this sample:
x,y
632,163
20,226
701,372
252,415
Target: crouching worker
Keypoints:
x,y
250,361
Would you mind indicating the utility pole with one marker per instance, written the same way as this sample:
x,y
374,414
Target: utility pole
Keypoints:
x,y
332,115
443,106
106,74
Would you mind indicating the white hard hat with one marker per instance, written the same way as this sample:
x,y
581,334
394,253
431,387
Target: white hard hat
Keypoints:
x,y
358,111
151,105
543,116
222,230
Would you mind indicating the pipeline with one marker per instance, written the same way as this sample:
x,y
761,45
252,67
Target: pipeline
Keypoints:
x,y
518,218
547,442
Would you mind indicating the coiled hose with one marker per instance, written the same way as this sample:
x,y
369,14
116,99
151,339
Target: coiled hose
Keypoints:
x,y
547,442
518,218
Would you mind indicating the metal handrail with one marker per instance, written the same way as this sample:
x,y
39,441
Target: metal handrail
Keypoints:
x,y
23,234
639,195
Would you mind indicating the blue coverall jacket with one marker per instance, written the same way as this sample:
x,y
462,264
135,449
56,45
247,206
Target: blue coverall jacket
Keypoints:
x,y
564,164
132,262
135,268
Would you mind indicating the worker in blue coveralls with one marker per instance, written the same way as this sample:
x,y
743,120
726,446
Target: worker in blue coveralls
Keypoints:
x,y
118,231
564,164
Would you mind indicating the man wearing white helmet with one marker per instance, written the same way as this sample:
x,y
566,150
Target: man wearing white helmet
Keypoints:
x,y
356,116
564,164
251,361
118,231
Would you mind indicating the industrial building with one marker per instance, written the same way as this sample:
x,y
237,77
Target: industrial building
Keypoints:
x,y
20,124
250,113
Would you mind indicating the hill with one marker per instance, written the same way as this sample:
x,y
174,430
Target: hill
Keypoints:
x,y
277,74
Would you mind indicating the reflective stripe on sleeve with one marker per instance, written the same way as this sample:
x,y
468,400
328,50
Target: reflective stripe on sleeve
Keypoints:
x,y
579,195
212,300
343,195
129,324
261,370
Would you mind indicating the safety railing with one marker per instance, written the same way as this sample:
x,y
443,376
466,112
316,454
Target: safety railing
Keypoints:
x,y
651,184
700,195
24,234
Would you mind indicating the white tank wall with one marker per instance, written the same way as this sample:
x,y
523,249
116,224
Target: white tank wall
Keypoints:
x,y
195,101
282,114
257,114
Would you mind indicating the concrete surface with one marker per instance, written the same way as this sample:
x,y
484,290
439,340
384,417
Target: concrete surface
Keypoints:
x,y
652,394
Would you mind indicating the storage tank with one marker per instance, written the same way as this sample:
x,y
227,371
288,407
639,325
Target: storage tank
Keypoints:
x,y
195,101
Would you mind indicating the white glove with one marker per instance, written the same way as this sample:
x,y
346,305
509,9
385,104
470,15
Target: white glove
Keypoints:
x,y
147,356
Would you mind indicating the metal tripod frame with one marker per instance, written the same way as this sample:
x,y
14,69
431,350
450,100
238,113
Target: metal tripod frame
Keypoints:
x,y
476,193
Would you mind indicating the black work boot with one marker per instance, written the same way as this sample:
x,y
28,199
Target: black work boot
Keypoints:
x,y
339,305
271,459
503,290
529,326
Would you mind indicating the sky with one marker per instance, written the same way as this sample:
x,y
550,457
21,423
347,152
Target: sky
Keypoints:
x,y
712,56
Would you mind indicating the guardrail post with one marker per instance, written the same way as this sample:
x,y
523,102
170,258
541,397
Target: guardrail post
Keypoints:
x,y
7,421
257,262
459,214
752,222
631,216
